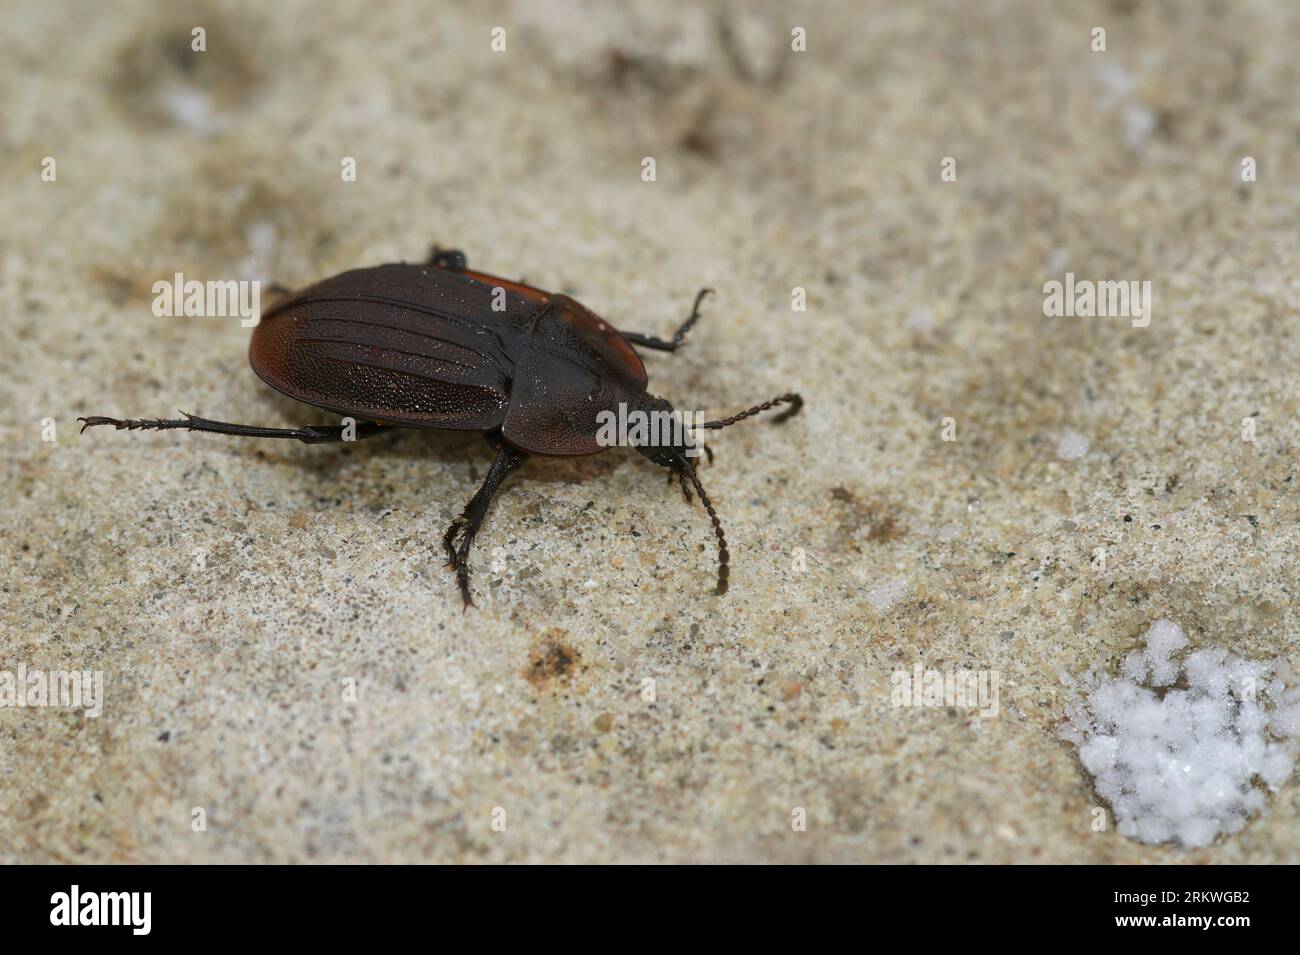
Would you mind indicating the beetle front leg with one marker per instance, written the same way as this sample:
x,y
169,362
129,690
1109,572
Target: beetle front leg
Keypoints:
x,y
471,519
649,341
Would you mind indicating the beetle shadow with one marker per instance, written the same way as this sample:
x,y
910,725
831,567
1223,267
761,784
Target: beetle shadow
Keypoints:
x,y
574,470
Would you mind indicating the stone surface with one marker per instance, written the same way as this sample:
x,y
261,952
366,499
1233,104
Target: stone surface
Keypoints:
x,y
228,687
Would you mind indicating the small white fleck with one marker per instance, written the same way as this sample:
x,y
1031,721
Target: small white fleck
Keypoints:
x,y
885,596
1139,123
189,106
1071,446
921,320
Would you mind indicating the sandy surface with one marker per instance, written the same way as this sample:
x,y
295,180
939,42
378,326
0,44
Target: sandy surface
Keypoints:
x,y
314,686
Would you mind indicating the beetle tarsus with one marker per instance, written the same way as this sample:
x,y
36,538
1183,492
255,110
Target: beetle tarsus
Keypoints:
x,y
449,542
134,424
680,334
462,581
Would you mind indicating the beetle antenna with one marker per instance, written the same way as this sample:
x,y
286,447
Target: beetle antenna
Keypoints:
x,y
794,400
724,558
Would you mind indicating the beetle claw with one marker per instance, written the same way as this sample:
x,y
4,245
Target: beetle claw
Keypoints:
x,y
95,421
462,581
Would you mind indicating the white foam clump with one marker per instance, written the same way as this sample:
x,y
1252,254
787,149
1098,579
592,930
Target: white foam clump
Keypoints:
x,y
1180,741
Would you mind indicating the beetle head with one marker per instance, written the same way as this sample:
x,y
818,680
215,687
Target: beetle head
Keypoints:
x,y
670,443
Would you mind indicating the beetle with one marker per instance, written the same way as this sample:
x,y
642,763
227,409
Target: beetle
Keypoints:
x,y
438,346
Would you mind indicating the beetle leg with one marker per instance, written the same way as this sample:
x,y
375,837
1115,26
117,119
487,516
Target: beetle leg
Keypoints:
x,y
312,434
471,519
649,341
449,541
447,258
681,479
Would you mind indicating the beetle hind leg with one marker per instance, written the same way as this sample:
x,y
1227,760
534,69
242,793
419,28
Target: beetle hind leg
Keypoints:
x,y
467,525
311,434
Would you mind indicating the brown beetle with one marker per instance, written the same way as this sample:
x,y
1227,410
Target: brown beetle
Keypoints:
x,y
441,347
